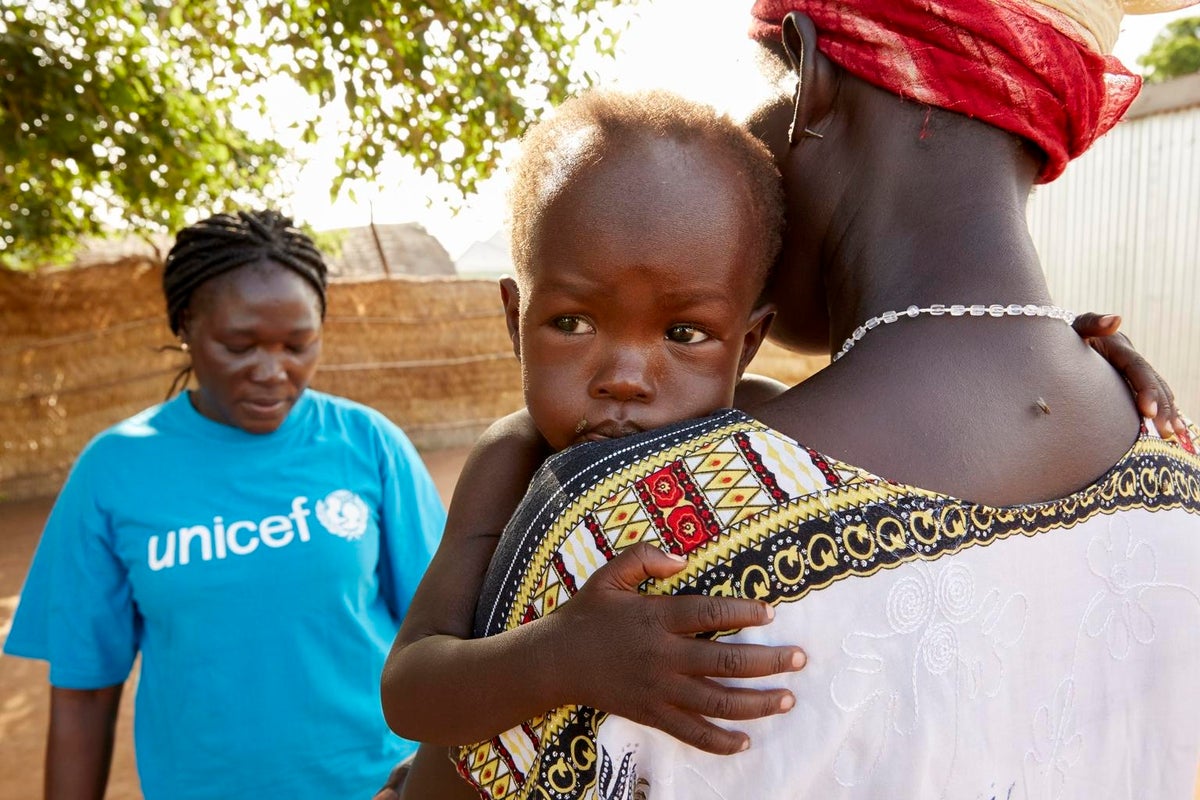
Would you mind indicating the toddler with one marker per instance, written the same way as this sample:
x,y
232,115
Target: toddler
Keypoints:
x,y
643,228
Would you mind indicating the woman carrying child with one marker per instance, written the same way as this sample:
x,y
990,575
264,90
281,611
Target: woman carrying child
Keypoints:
x,y
929,623
992,564
643,228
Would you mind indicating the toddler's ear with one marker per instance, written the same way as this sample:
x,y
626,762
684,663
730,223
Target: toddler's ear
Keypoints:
x,y
759,323
510,297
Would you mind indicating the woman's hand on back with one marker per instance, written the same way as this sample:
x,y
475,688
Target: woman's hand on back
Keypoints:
x,y
636,655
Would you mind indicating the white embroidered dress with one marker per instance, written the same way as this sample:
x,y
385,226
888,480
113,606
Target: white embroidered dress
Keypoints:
x,y
954,650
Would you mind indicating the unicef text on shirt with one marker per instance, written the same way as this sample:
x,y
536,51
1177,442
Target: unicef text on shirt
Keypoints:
x,y
235,538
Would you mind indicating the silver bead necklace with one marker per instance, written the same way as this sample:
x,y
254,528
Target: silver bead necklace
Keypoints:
x,y
937,310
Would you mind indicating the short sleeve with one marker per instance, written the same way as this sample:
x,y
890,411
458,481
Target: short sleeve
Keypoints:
x,y
76,608
411,522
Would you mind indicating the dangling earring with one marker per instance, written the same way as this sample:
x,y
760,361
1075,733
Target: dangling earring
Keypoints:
x,y
795,116
185,373
795,109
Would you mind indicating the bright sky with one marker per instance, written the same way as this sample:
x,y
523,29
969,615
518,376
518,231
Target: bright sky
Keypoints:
x,y
682,45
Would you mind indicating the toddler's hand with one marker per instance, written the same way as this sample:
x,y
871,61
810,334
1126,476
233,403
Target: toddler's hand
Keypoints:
x,y
1152,395
636,656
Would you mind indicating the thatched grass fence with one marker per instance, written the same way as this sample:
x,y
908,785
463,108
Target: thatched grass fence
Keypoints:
x,y
82,349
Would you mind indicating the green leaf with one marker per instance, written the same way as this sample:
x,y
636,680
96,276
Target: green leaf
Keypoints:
x,y
1175,51
140,98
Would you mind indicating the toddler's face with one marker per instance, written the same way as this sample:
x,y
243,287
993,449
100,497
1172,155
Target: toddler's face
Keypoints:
x,y
637,310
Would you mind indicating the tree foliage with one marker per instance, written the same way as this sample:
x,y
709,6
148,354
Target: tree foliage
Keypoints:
x,y
121,114
1175,52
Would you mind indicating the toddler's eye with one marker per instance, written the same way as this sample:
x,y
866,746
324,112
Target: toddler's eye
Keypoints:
x,y
686,334
573,324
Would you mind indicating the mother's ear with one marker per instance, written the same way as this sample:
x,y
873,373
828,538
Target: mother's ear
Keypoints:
x,y
814,77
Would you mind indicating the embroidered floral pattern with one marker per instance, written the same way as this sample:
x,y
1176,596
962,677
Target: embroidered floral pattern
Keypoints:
x,y
686,528
958,652
664,487
1057,745
1128,568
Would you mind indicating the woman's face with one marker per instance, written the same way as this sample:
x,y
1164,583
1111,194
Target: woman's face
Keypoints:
x,y
254,335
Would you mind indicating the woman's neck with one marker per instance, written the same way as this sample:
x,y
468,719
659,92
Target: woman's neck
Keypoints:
x,y
909,261
930,231
893,204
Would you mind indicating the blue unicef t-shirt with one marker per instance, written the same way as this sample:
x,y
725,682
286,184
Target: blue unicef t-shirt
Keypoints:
x,y
262,579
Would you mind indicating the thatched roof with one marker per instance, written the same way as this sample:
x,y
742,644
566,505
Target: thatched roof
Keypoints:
x,y
110,251
407,248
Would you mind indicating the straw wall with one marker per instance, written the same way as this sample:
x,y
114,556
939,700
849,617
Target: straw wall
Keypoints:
x,y
80,350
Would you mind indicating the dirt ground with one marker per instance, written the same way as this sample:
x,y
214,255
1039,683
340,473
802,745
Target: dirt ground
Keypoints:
x,y
24,696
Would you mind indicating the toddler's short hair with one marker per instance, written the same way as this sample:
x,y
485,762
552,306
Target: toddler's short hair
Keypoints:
x,y
578,133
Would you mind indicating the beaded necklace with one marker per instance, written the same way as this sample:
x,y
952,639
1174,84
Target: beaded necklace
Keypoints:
x,y
937,310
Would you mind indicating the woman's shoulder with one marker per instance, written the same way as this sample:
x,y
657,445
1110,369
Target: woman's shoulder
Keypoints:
x,y
729,484
145,438
354,420
336,406
145,428
1148,453
730,449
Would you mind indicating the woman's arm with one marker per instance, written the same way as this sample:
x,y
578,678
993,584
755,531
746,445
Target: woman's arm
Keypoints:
x,y
609,647
79,745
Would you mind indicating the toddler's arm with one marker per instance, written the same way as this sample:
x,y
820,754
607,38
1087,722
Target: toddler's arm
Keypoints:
x,y
429,669
609,647
1152,395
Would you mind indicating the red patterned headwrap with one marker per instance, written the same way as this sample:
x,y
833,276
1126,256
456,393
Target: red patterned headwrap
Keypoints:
x,y
1016,64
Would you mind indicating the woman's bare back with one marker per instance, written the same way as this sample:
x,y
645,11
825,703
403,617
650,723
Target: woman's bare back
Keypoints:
x,y
998,411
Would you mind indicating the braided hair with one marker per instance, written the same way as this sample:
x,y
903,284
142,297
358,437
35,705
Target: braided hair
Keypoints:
x,y
224,242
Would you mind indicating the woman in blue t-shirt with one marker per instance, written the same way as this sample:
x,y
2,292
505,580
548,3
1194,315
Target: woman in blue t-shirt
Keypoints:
x,y
255,541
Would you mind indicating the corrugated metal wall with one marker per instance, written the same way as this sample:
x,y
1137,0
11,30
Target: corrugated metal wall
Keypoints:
x,y
1120,232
